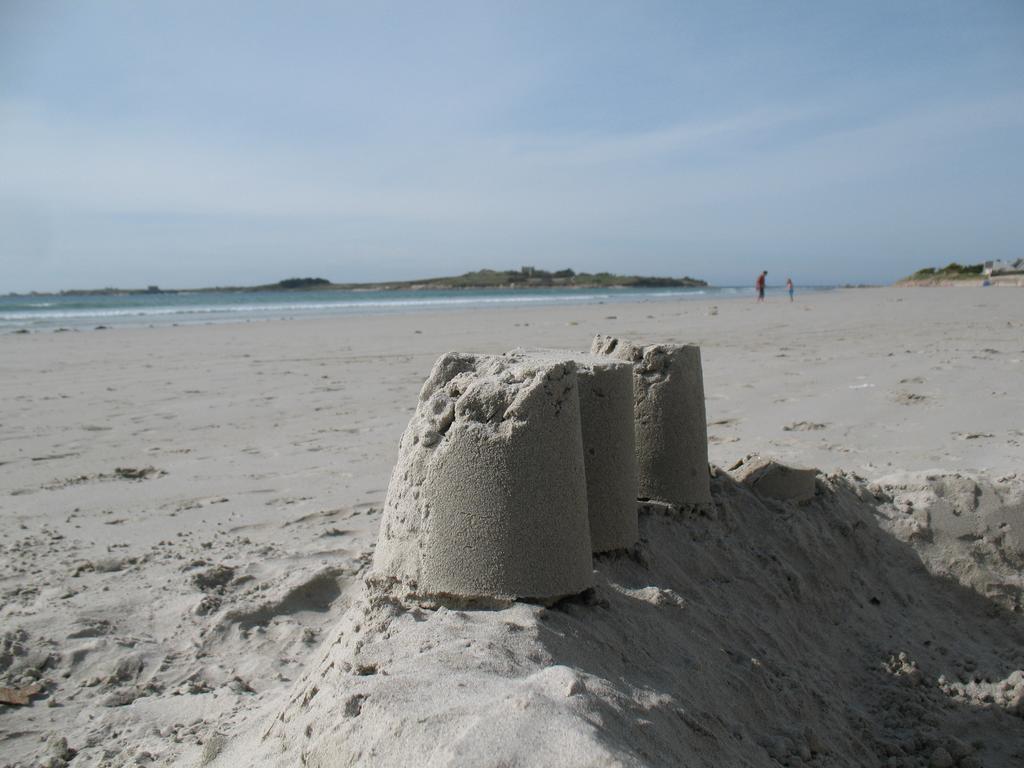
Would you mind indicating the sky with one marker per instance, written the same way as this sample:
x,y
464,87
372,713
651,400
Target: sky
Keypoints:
x,y
190,144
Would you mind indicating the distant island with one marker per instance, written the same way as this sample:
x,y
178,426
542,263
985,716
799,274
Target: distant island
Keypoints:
x,y
992,272
525,277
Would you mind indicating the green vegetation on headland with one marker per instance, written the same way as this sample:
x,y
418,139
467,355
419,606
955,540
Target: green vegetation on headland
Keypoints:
x,y
302,282
526,277
953,271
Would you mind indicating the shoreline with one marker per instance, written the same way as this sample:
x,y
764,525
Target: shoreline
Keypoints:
x,y
72,313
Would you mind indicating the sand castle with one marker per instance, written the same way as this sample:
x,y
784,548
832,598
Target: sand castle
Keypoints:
x,y
670,420
609,454
488,498
516,468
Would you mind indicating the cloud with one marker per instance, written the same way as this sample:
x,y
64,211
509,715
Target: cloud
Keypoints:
x,y
102,168
801,177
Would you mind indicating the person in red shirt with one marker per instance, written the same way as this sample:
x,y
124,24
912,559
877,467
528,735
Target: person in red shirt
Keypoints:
x,y
760,285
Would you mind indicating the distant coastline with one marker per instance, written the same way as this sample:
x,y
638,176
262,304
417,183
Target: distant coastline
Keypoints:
x,y
526,277
965,275
962,282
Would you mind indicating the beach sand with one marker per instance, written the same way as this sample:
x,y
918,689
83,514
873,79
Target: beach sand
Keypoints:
x,y
189,513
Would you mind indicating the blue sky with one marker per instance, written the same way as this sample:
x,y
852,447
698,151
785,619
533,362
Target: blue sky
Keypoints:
x,y
193,143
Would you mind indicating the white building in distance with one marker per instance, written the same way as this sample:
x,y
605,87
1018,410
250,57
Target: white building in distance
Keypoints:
x,y
1003,267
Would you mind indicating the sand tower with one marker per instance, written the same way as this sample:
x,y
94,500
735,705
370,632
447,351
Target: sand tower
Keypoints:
x,y
488,498
609,448
670,421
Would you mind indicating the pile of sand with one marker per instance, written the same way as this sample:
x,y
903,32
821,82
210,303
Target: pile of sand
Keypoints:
x,y
965,527
848,629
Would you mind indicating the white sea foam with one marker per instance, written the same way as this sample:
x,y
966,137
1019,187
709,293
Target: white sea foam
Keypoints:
x,y
164,310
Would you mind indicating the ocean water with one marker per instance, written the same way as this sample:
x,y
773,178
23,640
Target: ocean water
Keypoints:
x,y
82,312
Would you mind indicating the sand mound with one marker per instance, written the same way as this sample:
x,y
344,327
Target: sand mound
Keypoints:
x,y
765,632
965,527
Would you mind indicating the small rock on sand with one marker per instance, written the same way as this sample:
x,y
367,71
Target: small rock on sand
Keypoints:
x,y
777,481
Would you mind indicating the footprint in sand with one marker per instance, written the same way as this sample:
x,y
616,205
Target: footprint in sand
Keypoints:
x,y
804,426
971,435
910,398
718,440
